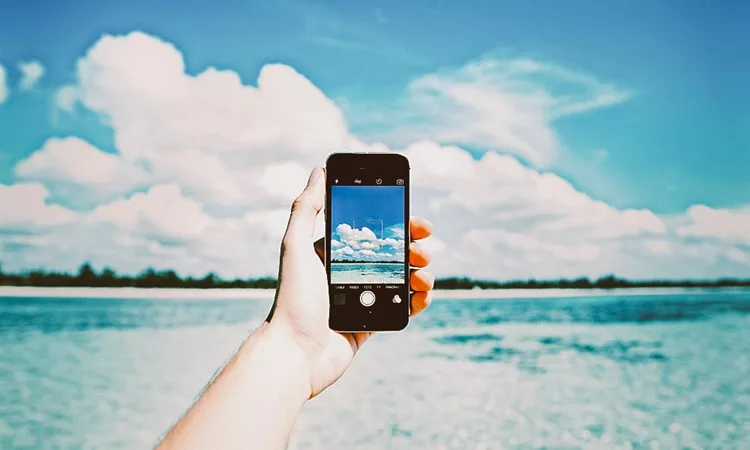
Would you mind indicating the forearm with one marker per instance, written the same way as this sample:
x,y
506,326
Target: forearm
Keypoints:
x,y
253,403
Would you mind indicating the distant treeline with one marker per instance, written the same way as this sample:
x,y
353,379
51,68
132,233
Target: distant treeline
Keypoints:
x,y
150,278
608,282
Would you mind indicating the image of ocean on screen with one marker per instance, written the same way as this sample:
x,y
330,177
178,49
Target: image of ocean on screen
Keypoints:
x,y
367,273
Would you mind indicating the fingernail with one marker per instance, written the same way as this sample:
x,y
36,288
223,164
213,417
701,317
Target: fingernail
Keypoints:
x,y
314,176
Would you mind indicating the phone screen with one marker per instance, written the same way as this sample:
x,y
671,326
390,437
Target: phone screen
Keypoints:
x,y
367,248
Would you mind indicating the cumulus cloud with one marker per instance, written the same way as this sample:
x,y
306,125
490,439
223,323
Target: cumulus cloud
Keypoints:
x,y
725,224
73,162
158,228
31,72
206,165
362,244
500,218
24,208
225,142
162,212
350,234
509,195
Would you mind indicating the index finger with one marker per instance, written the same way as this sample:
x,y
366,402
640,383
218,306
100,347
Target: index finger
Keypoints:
x,y
419,228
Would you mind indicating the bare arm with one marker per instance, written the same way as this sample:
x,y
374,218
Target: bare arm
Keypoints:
x,y
293,356
253,402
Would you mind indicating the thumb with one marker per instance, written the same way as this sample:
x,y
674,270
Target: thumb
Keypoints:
x,y
305,209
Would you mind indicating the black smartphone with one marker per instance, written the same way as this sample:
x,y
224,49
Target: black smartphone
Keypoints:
x,y
367,241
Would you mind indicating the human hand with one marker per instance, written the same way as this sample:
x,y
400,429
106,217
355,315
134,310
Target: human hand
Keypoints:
x,y
301,307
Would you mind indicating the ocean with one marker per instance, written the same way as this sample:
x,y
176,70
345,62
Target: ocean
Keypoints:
x,y
613,372
367,273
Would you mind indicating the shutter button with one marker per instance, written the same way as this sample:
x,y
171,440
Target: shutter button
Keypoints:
x,y
367,298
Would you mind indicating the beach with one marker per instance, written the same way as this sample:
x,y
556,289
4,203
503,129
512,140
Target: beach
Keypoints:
x,y
264,294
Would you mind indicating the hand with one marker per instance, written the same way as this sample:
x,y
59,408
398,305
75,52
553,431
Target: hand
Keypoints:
x,y
301,305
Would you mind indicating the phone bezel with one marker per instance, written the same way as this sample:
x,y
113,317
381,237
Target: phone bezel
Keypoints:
x,y
389,164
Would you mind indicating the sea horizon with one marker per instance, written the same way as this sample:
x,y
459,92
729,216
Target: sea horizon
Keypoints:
x,y
136,293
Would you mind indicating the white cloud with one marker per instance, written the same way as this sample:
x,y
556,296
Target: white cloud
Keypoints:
x,y
162,211
218,162
31,72
159,228
501,219
225,142
363,244
391,242
506,194
66,98
73,161
529,247
725,224
496,103
24,208
342,253
657,246
737,255
349,234
3,85
284,180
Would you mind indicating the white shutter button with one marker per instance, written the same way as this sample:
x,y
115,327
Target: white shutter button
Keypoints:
x,y
367,298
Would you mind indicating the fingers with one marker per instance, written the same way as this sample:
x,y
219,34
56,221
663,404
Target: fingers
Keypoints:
x,y
421,280
418,255
419,228
305,209
420,301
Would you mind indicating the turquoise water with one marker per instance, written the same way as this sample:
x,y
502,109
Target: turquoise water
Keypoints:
x,y
372,273
669,371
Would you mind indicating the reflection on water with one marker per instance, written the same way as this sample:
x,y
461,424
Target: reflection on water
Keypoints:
x,y
599,372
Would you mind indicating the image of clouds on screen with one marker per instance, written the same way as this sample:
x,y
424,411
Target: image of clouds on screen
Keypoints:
x,y
362,244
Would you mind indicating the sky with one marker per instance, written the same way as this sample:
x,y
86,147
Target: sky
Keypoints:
x,y
545,140
367,223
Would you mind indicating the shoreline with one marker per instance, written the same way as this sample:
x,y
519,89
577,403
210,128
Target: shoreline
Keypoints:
x,y
267,294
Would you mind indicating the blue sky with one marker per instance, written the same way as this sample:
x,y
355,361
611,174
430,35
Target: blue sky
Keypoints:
x,y
373,222
686,62
630,117
350,204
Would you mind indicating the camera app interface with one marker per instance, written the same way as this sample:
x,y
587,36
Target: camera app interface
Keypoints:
x,y
367,236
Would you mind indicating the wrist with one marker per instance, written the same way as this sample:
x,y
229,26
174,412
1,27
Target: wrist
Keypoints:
x,y
274,350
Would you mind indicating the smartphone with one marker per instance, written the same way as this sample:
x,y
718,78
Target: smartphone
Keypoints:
x,y
367,241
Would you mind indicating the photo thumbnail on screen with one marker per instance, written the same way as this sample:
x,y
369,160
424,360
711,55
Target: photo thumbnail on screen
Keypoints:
x,y
367,235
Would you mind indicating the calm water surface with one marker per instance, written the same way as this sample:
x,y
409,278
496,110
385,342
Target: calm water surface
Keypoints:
x,y
367,273
668,371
